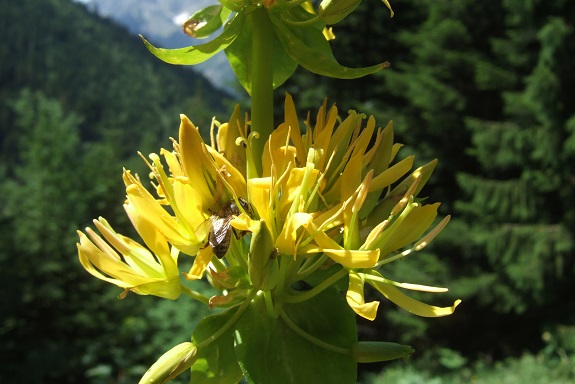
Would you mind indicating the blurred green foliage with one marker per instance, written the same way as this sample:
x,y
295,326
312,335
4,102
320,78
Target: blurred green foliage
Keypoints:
x,y
527,369
79,97
487,88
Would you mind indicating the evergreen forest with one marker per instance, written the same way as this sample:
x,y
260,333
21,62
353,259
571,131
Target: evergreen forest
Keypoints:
x,y
487,88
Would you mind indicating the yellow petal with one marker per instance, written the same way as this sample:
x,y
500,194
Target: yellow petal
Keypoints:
x,y
196,162
259,197
353,258
136,256
201,262
175,231
104,263
173,163
292,122
411,305
428,238
93,260
166,288
287,239
355,299
391,175
189,203
347,258
322,136
405,232
228,133
234,177
297,184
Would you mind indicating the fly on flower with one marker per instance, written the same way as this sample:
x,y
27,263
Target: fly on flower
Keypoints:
x,y
219,226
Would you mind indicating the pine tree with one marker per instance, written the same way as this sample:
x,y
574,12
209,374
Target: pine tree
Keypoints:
x,y
519,205
487,88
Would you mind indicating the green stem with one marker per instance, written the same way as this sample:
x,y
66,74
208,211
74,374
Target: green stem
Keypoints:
x,y
262,117
195,295
311,265
310,338
270,307
232,320
301,297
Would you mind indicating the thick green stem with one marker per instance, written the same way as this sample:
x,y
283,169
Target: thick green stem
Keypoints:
x,y
262,117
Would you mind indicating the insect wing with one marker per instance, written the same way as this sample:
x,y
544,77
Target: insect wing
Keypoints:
x,y
203,230
220,230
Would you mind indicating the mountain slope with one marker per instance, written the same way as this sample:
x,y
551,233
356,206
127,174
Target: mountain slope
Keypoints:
x,y
96,69
160,21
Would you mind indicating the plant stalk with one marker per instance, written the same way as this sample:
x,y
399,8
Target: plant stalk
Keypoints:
x,y
262,116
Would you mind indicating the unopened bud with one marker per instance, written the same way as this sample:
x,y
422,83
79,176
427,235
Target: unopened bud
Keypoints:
x,y
171,364
375,351
263,265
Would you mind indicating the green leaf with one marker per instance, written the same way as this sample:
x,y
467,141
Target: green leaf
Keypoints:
x,y
270,351
199,53
234,5
216,363
206,21
240,55
334,11
309,48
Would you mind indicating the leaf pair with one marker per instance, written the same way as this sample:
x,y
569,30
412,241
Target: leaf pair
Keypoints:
x,y
297,39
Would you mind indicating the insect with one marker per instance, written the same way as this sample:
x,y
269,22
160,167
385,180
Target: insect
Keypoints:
x,y
220,230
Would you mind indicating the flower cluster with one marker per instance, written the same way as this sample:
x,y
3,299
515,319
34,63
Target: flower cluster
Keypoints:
x,y
331,202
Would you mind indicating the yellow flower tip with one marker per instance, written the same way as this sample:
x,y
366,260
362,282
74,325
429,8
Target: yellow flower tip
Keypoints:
x,y
201,262
123,295
328,33
253,135
363,191
386,2
428,238
189,276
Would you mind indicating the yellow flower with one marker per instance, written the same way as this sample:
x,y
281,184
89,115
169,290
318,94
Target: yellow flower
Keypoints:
x,y
334,193
200,180
122,261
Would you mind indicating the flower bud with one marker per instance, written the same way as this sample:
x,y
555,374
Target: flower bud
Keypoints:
x,y
375,351
171,364
262,259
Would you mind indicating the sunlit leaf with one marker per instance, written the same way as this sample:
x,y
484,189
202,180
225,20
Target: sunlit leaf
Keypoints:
x,y
206,21
199,53
216,363
269,351
309,48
